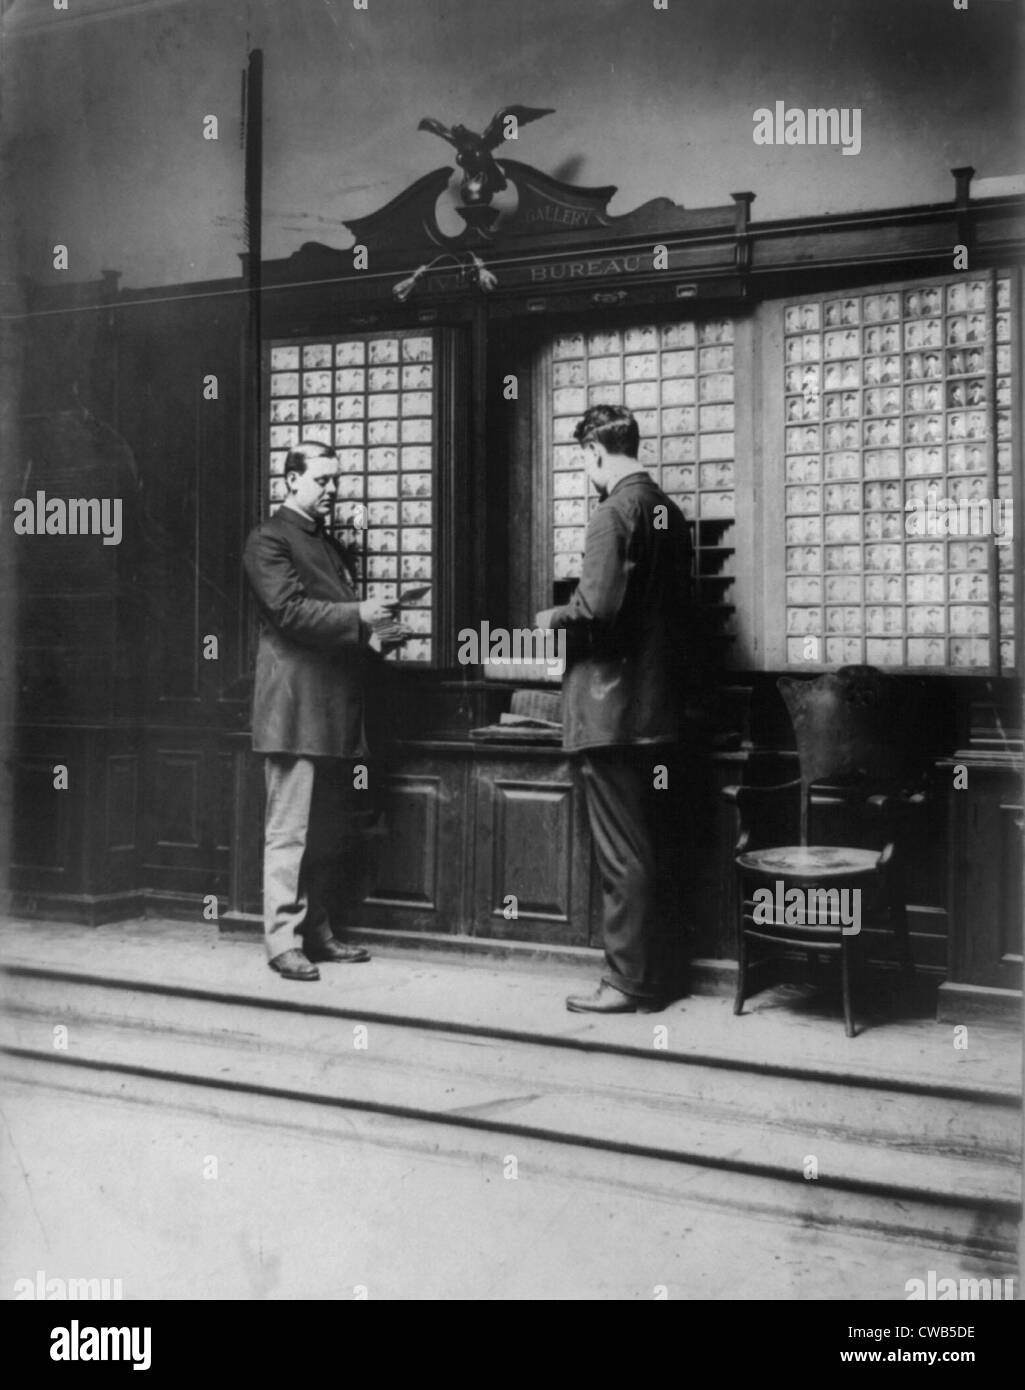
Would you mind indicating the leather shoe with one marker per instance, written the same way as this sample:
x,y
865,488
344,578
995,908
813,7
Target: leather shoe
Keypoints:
x,y
609,1000
293,965
339,952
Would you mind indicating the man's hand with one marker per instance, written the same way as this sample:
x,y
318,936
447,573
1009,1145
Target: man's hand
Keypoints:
x,y
376,610
392,636
544,618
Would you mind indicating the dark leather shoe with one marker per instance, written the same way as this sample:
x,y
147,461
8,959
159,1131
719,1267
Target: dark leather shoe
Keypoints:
x,y
339,952
609,1000
294,965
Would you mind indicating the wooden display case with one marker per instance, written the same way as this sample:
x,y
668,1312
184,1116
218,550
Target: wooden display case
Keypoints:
x,y
893,491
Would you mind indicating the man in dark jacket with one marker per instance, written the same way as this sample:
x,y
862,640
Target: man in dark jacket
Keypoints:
x,y
627,628
307,708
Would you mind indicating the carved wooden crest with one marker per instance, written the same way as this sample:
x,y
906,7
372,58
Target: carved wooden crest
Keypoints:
x,y
409,223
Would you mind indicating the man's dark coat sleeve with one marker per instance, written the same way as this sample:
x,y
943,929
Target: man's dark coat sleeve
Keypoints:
x,y
627,621
308,689
598,598
271,570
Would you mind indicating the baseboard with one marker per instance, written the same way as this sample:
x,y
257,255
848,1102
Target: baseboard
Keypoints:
x,y
180,907
962,1003
87,909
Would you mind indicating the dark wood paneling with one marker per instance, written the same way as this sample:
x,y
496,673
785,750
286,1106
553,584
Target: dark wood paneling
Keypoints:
x,y
65,641
834,245
40,827
530,844
192,468
218,818
531,854
72,851
712,877
248,797
1009,933
406,874
186,786
411,874
986,877
122,809
176,799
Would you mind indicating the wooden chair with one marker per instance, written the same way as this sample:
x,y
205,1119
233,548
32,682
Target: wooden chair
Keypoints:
x,y
866,745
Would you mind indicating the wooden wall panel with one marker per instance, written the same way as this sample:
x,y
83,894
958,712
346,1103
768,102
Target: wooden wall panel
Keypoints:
x,y
190,454
73,853
122,807
1009,944
532,850
530,844
176,809
410,875
219,819
986,877
406,874
186,785
40,828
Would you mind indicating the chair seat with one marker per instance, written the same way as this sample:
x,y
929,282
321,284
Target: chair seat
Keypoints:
x,y
810,861
866,745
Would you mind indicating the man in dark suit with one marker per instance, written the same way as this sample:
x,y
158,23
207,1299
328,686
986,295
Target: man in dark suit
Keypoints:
x,y
307,708
627,628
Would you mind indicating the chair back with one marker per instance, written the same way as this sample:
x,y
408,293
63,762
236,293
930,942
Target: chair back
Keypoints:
x,y
859,724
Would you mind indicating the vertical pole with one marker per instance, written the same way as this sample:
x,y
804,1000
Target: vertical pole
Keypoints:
x,y
251,481
253,489
253,139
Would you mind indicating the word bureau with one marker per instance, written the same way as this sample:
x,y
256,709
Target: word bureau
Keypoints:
x,y
371,397
894,399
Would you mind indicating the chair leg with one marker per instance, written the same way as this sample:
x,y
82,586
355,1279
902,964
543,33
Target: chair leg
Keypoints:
x,y
845,978
741,991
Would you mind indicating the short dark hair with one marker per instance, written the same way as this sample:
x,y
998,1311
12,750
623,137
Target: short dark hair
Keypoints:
x,y
298,456
611,425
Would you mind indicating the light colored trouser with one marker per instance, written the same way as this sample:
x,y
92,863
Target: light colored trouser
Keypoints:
x,y
294,913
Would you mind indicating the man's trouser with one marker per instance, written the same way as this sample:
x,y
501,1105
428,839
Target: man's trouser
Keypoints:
x,y
635,828
304,829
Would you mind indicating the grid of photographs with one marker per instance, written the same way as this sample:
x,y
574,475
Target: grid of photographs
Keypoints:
x,y
372,398
678,379
893,401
